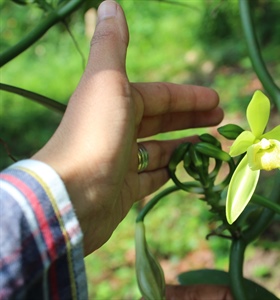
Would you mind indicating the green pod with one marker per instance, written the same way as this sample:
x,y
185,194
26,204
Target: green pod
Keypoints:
x,y
189,165
177,156
206,162
196,158
198,162
149,274
192,172
215,171
187,159
230,131
212,151
208,138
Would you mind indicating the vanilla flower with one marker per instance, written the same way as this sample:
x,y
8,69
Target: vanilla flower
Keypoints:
x,y
263,153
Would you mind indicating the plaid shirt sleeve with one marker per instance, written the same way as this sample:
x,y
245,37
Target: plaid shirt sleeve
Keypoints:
x,y
41,254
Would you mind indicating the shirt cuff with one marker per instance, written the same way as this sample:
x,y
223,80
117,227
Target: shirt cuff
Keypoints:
x,y
56,190
63,209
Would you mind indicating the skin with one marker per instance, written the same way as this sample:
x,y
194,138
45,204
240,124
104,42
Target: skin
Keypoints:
x,y
94,149
198,292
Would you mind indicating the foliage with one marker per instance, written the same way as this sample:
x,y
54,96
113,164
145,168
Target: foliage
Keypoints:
x,y
221,28
168,42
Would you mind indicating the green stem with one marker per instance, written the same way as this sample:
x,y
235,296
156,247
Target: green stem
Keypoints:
x,y
49,103
267,215
154,201
191,187
255,53
52,18
226,181
266,203
236,259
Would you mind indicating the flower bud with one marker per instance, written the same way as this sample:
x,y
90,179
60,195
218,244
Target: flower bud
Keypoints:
x,y
150,276
230,131
264,155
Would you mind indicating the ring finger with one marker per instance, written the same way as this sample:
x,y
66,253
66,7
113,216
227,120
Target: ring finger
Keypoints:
x,y
159,152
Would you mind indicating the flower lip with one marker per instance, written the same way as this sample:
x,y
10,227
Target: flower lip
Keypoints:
x,y
264,155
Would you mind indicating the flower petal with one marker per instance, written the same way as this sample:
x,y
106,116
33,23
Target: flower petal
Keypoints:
x,y
241,189
273,134
242,143
258,112
264,155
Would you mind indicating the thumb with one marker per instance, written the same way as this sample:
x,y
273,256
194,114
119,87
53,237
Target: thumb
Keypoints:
x,y
110,40
99,110
100,102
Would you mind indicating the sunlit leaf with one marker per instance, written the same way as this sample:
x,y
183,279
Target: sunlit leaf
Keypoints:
x,y
258,112
273,134
241,144
241,189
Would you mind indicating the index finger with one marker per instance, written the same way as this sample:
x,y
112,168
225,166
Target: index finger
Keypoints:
x,y
162,98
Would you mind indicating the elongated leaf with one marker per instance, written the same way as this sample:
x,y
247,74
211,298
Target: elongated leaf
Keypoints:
x,y
218,277
241,189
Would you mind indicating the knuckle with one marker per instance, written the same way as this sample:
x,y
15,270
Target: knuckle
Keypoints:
x,y
103,35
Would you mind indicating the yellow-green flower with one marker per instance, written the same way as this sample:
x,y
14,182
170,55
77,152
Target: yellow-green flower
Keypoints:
x,y
263,153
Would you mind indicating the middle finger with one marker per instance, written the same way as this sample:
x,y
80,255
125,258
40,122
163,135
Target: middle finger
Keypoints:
x,y
177,121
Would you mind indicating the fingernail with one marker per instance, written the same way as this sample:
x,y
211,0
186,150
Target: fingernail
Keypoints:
x,y
107,9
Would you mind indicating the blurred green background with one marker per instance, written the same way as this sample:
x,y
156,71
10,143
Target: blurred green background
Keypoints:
x,y
192,42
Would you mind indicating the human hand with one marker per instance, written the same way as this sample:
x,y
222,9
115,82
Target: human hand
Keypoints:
x,y
94,150
198,292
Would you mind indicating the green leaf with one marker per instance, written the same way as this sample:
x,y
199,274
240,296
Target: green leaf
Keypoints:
x,y
258,112
272,134
242,143
240,190
218,277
